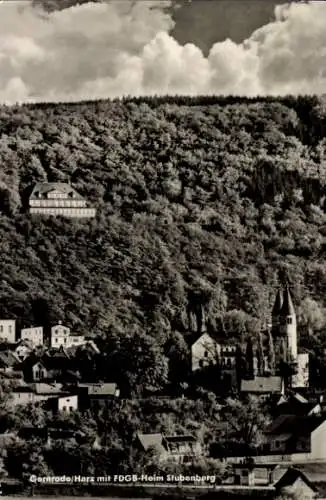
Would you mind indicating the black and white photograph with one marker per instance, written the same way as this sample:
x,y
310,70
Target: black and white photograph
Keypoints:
x,y
163,249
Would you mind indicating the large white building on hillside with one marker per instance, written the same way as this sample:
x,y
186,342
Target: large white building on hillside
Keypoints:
x,y
57,198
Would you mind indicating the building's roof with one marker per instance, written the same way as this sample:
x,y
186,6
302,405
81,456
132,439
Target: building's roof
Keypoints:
x,y
42,388
262,385
290,477
287,308
107,389
43,188
7,358
294,425
151,441
278,303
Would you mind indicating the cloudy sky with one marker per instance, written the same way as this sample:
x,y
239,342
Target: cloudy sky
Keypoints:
x,y
69,50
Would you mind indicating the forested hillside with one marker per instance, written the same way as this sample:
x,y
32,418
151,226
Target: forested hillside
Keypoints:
x,y
199,201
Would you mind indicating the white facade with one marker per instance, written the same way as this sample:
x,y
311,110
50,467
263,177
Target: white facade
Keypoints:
x,y
204,352
61,337
8,330
67,212
33,335
289,328
68,404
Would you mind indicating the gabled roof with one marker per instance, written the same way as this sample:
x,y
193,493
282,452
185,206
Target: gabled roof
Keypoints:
x,y
41,189
290,477
262,385
294,425
151,441
7,358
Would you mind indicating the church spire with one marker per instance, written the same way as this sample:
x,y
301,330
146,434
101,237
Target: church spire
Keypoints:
x,y
287,308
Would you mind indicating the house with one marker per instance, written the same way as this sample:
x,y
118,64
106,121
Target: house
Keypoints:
x,y
8,330
67,404
22,394
94,394
23,349
296,438
61,337
57,198
295,481
34,369
33,335
206,351
247,473
180,449
263,386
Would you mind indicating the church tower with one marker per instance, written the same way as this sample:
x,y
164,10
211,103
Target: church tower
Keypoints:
x,y
288,324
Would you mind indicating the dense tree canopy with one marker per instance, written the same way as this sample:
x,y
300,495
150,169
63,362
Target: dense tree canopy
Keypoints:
x,y
200,202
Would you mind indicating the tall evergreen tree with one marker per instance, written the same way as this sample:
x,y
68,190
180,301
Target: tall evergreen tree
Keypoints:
x,y
271,353
260,355
250,359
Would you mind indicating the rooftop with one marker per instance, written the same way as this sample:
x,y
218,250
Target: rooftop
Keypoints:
x,y
262,385
41,190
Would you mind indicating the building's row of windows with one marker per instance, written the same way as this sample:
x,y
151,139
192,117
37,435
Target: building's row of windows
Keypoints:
x,y
64,211
9,328
58,203
56,195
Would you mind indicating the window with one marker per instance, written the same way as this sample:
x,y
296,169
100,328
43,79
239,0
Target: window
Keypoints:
x,y
206,354
64,408
56,340
289,320
10,329
71,408
1,328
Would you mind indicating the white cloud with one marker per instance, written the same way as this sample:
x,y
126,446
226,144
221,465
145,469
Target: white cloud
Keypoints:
x,y
123,47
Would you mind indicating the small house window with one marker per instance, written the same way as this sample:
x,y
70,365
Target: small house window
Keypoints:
x,y
64,408
289,320
70,408
10,329
1,328
206,354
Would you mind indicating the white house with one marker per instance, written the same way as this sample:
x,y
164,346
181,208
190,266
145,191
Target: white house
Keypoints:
x,y
34,335
8,330
61,337
68,404
205,351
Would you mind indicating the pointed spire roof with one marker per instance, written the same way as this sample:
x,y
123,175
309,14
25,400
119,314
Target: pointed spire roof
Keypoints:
x,y
287,308
278,303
